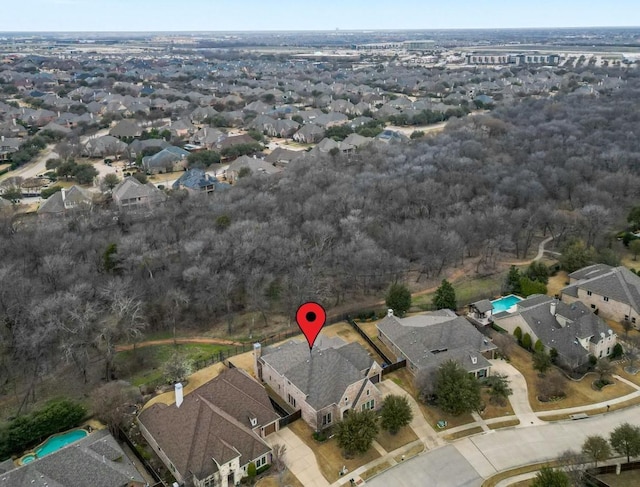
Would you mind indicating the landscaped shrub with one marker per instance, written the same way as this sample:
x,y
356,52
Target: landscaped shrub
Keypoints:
x,y
264,468
538,347
617,351
526,341
518,334
27,431
251,470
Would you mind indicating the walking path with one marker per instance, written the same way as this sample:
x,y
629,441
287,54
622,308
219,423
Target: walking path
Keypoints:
x,y
171,341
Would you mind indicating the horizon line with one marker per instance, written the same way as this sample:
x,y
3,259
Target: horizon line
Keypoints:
x,y
388,29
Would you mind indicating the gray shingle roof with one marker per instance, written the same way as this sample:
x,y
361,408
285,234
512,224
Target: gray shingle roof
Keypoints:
x,y
78,465
483,305
322,374
581,323
429,339
617,283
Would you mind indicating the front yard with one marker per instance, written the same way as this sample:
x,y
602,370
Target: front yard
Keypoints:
x,y
578,393
328,454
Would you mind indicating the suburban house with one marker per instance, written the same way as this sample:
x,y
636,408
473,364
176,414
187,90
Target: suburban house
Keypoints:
x,y
198,181
8,145
252,164
309,134
168,159
66,200
107,145
96,460
324,383
209,437
138,147
430,339
571,329
126,129
132,194
614,292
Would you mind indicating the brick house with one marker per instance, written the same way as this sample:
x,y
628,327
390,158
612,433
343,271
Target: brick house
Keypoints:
x,y
325,383
428,340
613,291
209,438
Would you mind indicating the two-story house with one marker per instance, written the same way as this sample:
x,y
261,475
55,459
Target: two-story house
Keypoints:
x,y
209,437
571,329
613,291
325,383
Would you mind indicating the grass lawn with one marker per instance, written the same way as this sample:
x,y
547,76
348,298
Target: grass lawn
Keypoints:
x,y
145,364
630,478
392,442
504,424
614,407
328,453
578,393
431,414
349,335
410,453
381,467
493,410
467,290
557,282
272,481
493,481
463,433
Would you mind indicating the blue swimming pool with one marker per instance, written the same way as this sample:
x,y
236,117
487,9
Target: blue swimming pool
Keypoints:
x,y
54,443
505,303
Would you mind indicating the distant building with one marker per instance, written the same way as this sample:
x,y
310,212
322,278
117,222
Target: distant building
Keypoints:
x,y
514,59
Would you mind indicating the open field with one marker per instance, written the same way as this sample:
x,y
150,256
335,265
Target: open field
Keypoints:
x,y
328,454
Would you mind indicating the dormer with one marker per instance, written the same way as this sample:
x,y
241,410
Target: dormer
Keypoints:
x,y
253,419
474,359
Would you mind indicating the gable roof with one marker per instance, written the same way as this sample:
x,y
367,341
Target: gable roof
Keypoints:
x,y
197,179
96,460
563,329
66,199
212,426
256,165
617,283
130,188
323,374
429,339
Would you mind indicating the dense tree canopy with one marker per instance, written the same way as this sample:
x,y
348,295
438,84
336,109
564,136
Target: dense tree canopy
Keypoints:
x,y
328,229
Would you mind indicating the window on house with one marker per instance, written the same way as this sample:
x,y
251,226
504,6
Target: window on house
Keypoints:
x,y
626,317
367,392
600,353
482,373
368,405
633,319
261,461
346,399
605,298
589,293
291,400
593,306
608,350
327,419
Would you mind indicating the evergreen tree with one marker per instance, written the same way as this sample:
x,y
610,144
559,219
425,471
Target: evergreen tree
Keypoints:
x,y
457,391
512,284
356,432
445,296
395,413
398,298
550,477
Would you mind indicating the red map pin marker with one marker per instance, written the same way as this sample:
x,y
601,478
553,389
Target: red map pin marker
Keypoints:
x,y
311,317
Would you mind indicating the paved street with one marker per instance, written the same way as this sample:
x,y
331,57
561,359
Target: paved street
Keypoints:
x,y
499,450
443,467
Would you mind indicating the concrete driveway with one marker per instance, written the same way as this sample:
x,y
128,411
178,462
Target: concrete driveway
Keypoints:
x,y
299,458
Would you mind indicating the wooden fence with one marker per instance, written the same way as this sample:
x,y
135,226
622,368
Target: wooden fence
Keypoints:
x,y
371,343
